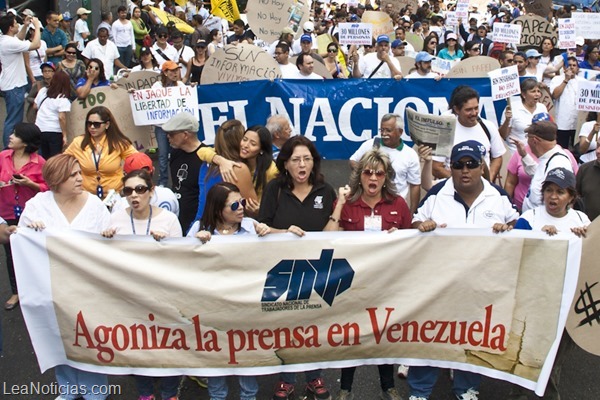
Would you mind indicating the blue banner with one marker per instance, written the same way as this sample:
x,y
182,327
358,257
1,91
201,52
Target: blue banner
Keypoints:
x,y
337,114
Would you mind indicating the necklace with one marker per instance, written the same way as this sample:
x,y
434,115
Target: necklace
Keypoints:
x,y
147,226
226,229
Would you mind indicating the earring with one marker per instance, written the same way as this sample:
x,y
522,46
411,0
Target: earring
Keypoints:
x,y
261,153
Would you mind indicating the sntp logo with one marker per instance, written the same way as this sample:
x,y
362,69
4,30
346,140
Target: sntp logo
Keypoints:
x,y
327,276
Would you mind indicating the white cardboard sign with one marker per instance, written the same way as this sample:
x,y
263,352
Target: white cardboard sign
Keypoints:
x,y
588,98
356,33
505,82
566,33
157,106
507,33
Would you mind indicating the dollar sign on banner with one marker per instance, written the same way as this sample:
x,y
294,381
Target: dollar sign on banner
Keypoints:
x,y
586,304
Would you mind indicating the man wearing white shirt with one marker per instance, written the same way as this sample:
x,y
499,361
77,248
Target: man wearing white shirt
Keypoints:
x,y
423,67
13,78
282,56
81,31
378,64
184,53
124,37
105,50
564,90
306,65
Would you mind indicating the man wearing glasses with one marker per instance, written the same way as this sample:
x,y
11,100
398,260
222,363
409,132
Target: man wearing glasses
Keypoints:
x,y
55,39
405,160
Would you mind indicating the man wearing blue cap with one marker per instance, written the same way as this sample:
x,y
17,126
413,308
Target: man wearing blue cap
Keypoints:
x,y
306,42
462,201
378,64
423,67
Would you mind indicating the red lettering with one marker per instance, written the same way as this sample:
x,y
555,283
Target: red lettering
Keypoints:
x,y
475,327
334,329
377,332
427,326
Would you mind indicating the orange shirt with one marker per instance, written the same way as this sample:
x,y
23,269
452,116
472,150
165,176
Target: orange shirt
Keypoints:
x,y
110,165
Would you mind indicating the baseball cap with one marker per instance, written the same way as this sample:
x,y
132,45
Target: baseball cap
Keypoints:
x,y
383,38
423,56
562,177
83,10
305,38
541,117
65,16
28,12
169,66
579,41
138,161
201,43
468,148
308,26
451,36
532,53
48,64
147,3
288,30
397,43
183,121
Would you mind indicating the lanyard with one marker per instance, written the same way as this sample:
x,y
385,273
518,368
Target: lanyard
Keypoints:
x,y
147,226
99,189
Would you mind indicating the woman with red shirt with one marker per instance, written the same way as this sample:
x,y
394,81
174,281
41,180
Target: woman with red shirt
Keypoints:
x,y
20,180
370,203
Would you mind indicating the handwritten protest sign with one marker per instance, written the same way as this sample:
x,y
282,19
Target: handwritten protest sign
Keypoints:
x,y
451,18
356,33
586,25
242,62
267,18
505,82
382,23
117,101
588,98
462,9
535,28
435,131
157,106
474,67
539,7
138,80
507,33
566,33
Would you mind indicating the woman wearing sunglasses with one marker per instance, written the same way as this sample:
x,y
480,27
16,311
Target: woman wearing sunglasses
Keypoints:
x,y
101,151
67,205
142,218
370,203
73,66
337,70
94,77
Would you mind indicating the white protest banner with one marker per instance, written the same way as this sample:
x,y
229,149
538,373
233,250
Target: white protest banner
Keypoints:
x,y
451,18
157,106
566,33
588,98
505,82
507,33
356,33
442,66
462,9
435,131
329,300
586,25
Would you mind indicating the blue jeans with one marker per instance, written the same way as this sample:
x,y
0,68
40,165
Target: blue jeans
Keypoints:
x,y
15,106
71,380
290,377
217,387
168,385
421,381
164,148
126,55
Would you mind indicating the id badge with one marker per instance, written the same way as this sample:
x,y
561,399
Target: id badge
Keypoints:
x,y
373,223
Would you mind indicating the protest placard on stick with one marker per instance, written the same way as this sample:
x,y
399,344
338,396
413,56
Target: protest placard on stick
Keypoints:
x,y
242,62
505,82
566,33
507,33
534,29
355,33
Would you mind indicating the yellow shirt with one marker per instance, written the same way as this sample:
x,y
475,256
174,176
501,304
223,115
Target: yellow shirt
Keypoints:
x,y
109,166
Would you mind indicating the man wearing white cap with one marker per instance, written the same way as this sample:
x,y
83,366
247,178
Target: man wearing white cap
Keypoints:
x,y
81,32
378,64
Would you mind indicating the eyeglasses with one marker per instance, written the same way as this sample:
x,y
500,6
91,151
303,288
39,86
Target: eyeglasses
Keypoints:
x,y
163,36
369,172
475,49
471,164
94,124
331,50
139,189
298,160
71,53
432,42
236,204
94,68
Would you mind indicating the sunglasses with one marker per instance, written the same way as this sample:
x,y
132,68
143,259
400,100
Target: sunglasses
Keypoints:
x,y
331,50
471,164
71,53
369,172
94,68
139,189
163,36
236,204
94,124
475,49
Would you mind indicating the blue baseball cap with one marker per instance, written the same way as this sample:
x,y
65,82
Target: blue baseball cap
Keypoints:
x,y
305,38
469,148
424,56
561,177
383,38
541,117
397,43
